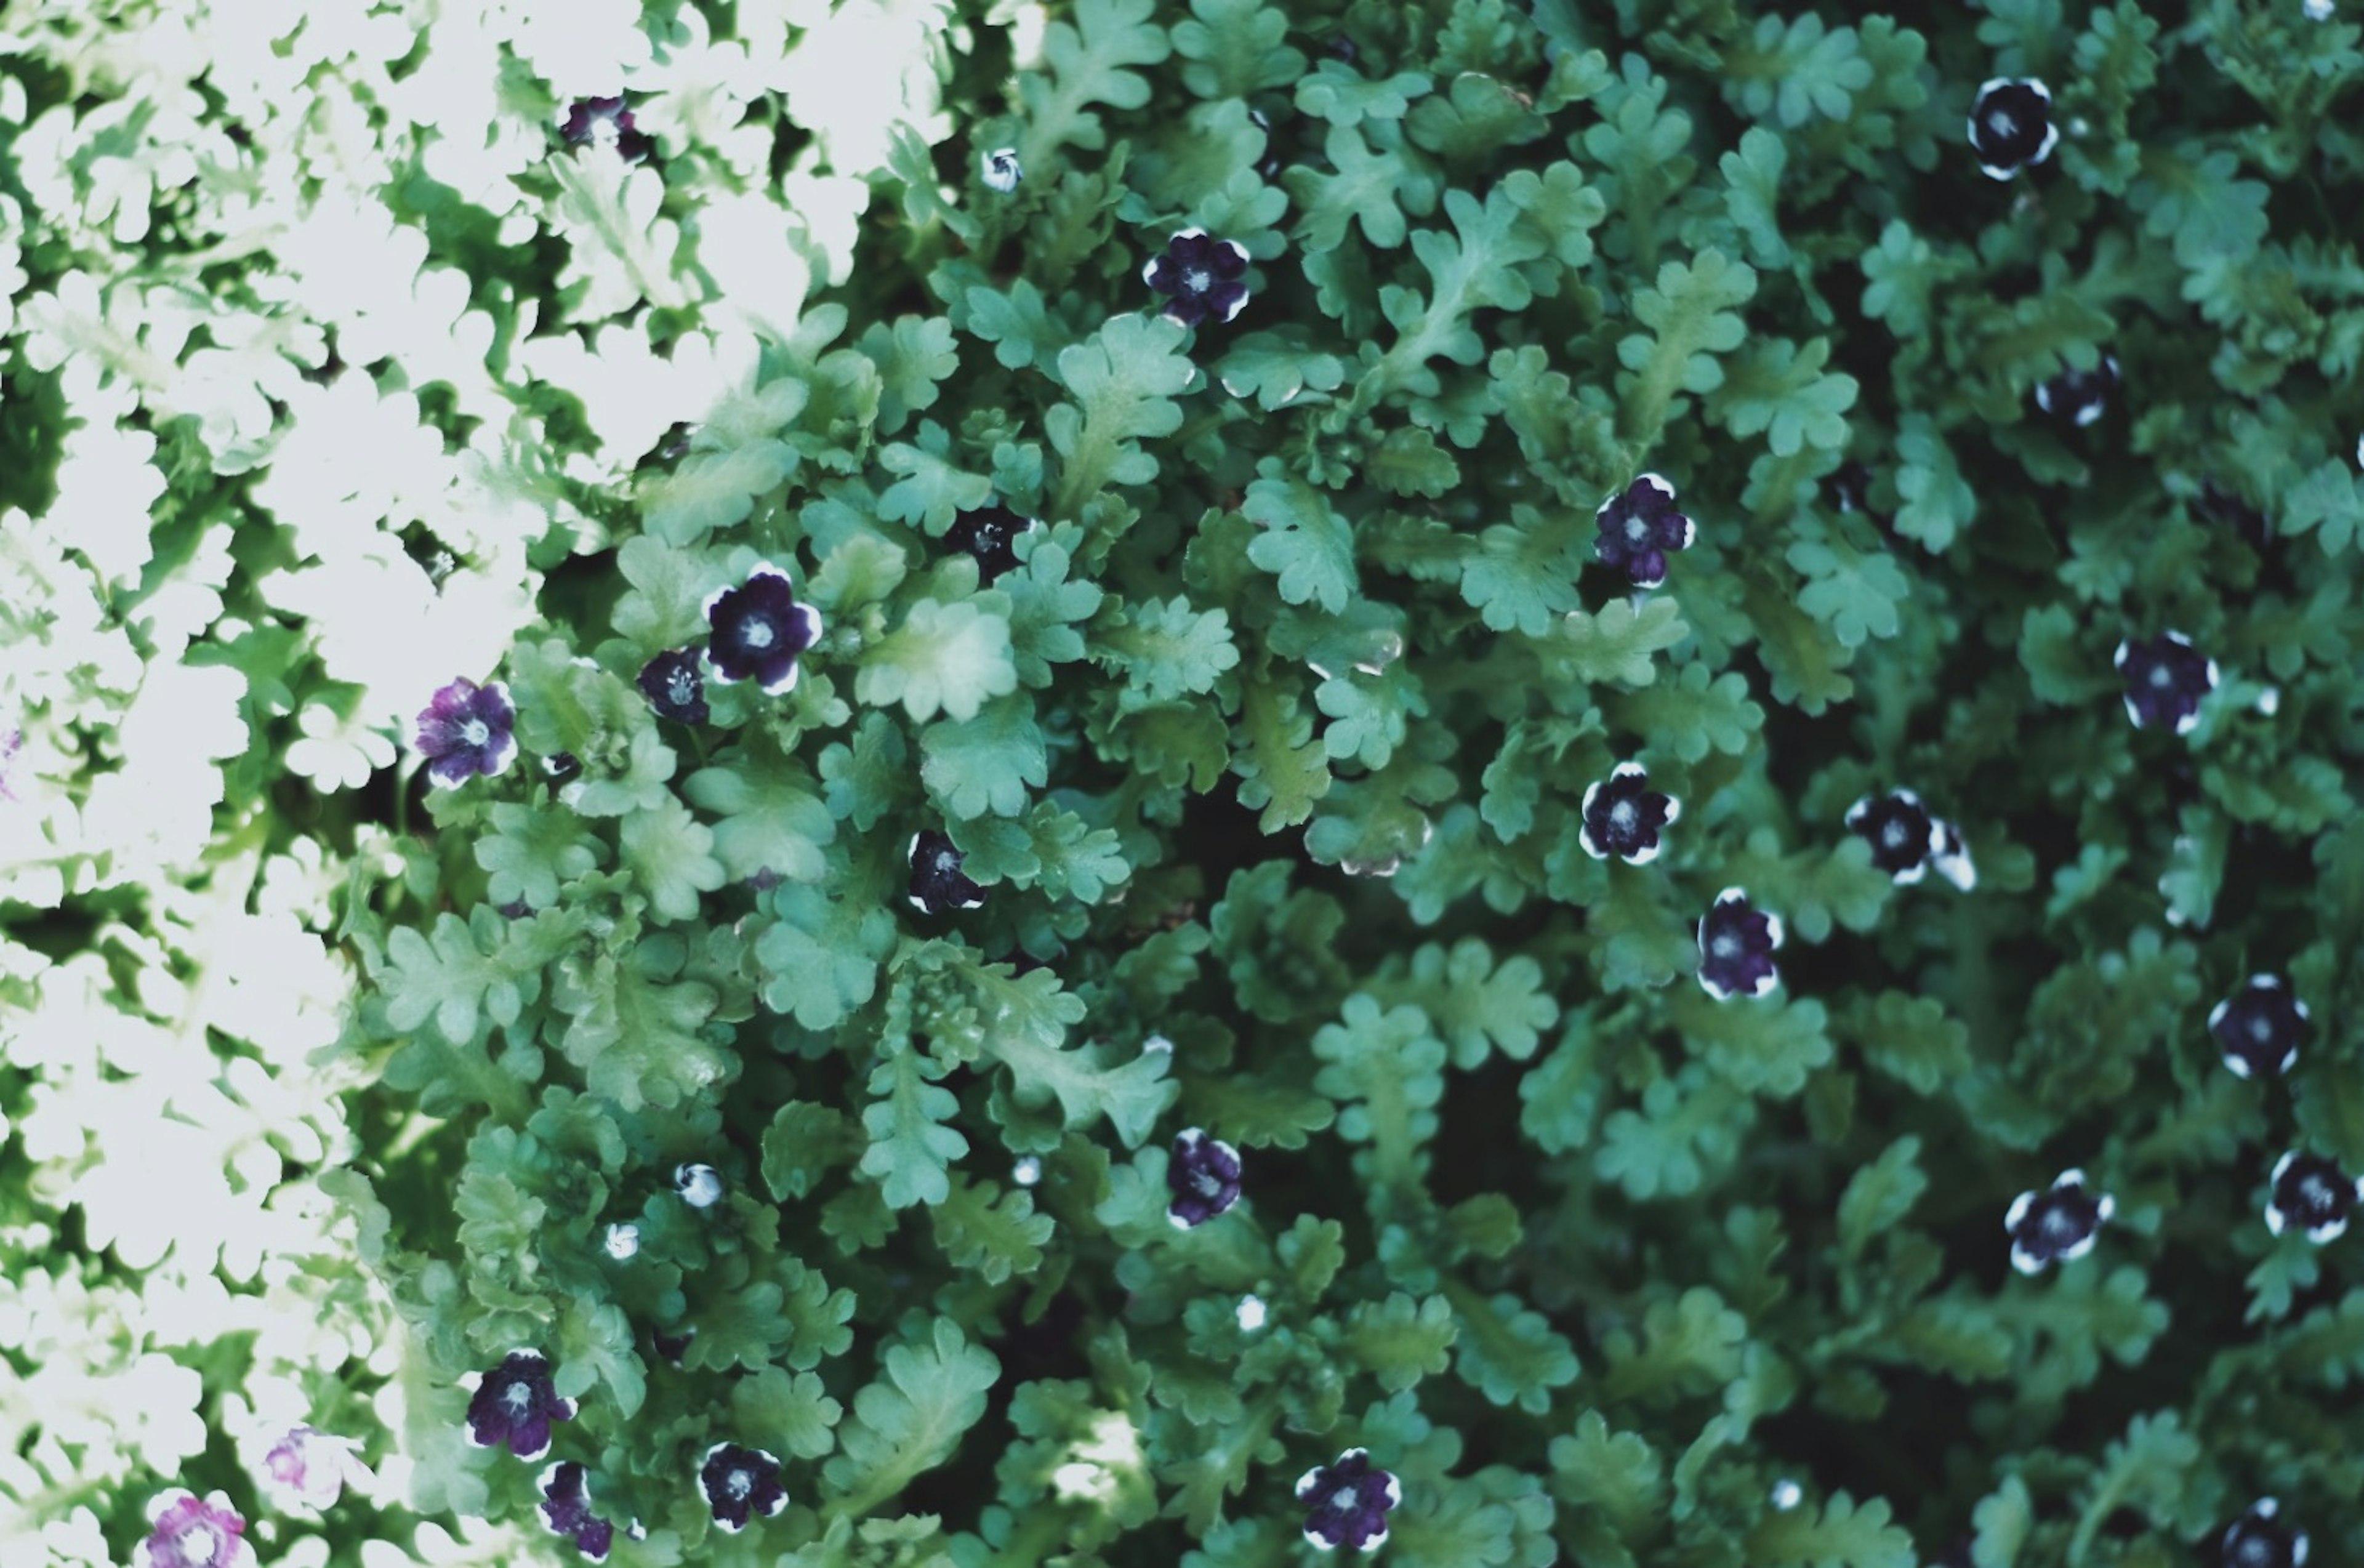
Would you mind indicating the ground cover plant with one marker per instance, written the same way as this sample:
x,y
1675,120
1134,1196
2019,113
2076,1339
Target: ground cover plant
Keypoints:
x,y
1496,783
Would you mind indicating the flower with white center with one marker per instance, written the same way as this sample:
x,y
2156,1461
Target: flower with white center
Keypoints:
x,y
2258,1540
674,686
2260,1027
757,629
1203,278
2311,1195
464,731
937,884
2320,11
1026,1171
189,1532
1905,838
566,1508
1001,171
741,1483
2011,126
2166,679
989,536
1348,1503
1736,946
1251,1314
700,1187
623,1241
2058,1226
515,1404
1638,527
1203,1175
1622,815
1786,1494
604,122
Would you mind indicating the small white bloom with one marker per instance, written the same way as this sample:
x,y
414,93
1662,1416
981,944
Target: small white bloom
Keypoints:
x,y
1251,1314
1001,171
1027,1171
2320,11
1788,1493
700,1187
624,1241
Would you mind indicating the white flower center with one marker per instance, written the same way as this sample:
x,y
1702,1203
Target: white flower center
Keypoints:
x,y
2255,1552
1724,945
1197,279
1621,815
2059,1224
1208,1183
678,688
603,132
474,732
517,1397
2261,1029
2001,123
1344,1499
1636,529
2161,677
757,634
199,1545
738,1484
1894,835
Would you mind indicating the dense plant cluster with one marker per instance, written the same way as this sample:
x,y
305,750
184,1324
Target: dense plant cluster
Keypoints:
x,y
1169,787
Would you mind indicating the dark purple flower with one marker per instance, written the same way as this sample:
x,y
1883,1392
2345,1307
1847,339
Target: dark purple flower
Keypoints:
x,y
1204,277
2257,1539
2260,1027
674,686
937,884
2312,1195
189,1532
741,1483
515,1404
2166,679
566,1504
466,729
1638,525
2076,397
990,534
1347,1503
2011,126
1905,838
1001,171
605,121
2058,1226
1203,1175
672,1347
758,630
1622,815
1737,947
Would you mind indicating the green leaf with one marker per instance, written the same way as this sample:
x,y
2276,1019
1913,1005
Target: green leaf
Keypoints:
x,y
774,818
946,657
1616,645
1088,62
803,1144
2058,670
1901,273
1519,579
1474,1004
985,763
1881,1195
1684,1122
1336,91
1400,1340
1692,317
1687,1346
784,1413
1123,380
1763,1045
991,1239
1019,324
2004,1520
1937,502
1691,715
1169,649
532,852
1373,189
1796,69
1752,174
1284,769
670,854
1508,1352
1908,1038
1304,543
1775,387
1234,48
910,1147
932,488
819,959
1855,593
1022,1022
1841,1536
1614,1475
909,1420
913,355
2328,503
635,1033
2149,1470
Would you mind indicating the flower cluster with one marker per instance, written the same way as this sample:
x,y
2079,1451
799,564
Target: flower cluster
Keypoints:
x,y
1908,842
566,1508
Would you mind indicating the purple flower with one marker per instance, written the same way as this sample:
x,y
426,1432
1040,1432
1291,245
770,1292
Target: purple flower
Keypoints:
x,y
308,1467
2080,396
566,1504
937,884
189,1532
1203,1175
2260,1027
1638,525
1622,816
672,1347
2312,1195
1204,277
2056,1226
674,686
1737,947
758,630
740,1482
10,744
1001,171
2011,126
604,122
2256,1541
1905,838
515,1404
1348,1503
466,729
2166,678
990,534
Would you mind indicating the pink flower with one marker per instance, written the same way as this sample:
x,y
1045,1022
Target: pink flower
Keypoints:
x,y
193,1532
309,1468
